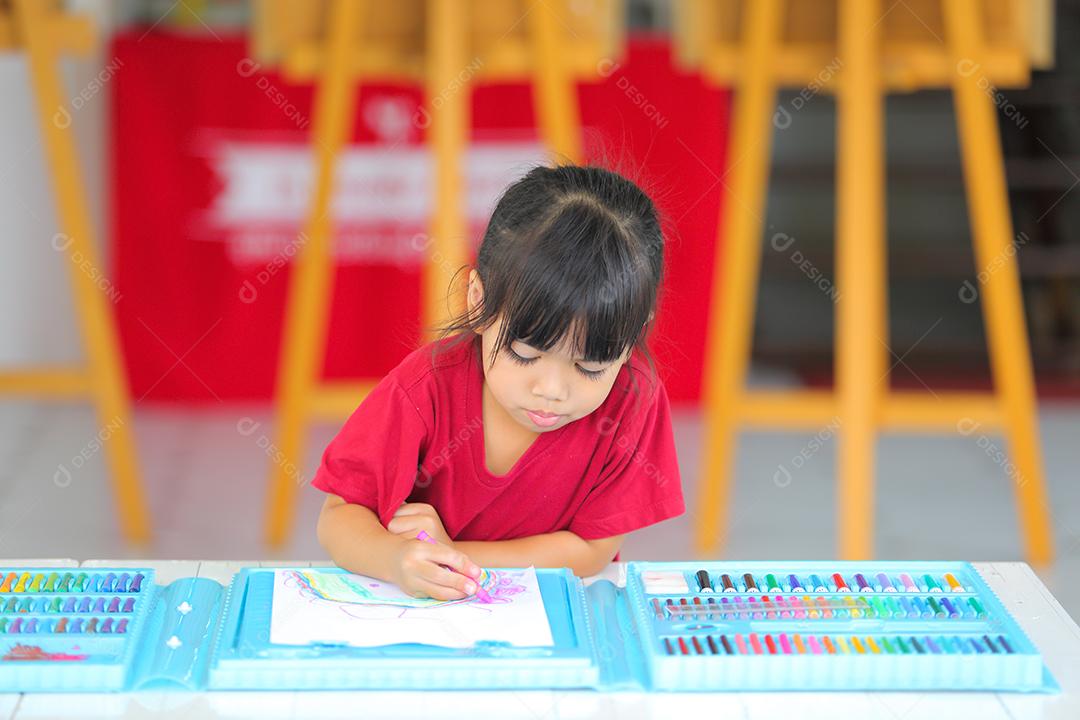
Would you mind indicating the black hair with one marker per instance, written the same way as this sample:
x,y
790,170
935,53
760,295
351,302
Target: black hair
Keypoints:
x,y
569,249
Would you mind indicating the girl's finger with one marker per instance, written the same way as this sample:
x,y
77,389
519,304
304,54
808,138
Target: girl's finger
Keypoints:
x,y
404,524
454,559
449,579
440,592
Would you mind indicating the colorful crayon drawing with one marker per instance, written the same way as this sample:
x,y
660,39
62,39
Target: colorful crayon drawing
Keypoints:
x,y
361,590
330,607
34,652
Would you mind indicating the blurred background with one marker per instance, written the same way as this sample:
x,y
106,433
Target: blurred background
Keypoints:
x,y
164,263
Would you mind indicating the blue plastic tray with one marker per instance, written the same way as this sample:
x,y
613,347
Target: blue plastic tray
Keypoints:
x,y
829,626
765,626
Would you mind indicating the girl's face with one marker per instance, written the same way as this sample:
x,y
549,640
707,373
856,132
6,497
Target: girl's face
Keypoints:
x,y
543,391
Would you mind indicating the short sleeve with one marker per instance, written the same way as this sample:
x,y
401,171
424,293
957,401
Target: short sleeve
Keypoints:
x,y
373,459
639,484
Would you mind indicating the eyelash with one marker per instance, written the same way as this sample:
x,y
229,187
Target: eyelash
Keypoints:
x,y
590,374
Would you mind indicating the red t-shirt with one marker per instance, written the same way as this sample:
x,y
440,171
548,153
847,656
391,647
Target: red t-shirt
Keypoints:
x,y
419,437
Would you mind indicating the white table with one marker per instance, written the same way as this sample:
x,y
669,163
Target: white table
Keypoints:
x,y
1042,617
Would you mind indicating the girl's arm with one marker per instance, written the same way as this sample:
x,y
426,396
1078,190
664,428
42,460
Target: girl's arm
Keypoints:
x,y
557,549
357,542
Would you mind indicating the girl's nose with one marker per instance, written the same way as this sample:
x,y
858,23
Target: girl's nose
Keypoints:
x,y
550,386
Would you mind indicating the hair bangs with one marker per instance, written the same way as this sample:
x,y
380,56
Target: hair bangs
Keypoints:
x,y
578,286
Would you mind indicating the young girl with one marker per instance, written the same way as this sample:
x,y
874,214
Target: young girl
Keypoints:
x,y
535,430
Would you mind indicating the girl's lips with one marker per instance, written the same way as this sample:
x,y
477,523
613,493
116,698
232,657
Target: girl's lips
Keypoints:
x,y
543,419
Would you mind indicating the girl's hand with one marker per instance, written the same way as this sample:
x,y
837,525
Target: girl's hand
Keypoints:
x,y
411,518
419,571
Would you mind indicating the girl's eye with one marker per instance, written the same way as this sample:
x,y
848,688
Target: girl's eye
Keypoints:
x,y
519,359
591,374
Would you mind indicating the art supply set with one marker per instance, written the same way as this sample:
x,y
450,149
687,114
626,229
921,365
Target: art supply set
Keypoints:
x,y
674,626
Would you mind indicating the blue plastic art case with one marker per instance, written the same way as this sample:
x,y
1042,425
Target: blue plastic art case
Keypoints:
x,y
675,626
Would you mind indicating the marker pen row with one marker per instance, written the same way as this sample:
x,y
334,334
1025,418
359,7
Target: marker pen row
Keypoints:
x,y
64,625
796,644
71,582
834,582
799,607
66,604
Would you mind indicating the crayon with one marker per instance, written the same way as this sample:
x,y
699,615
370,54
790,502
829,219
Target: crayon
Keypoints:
x,y
950,608
977,606
769,612
726,644
936,607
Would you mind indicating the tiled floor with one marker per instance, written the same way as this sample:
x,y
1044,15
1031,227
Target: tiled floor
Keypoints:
x,y
938,497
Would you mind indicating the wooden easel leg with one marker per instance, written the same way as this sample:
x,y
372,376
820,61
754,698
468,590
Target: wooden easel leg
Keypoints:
x,y
448,107
1003,308
554,91
861,273
311,282
108,382
735,274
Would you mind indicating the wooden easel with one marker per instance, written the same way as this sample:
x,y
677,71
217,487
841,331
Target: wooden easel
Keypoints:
x,y
45,32
339,42
919,45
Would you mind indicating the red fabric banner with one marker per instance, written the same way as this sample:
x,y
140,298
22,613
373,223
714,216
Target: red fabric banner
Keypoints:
x,y
212,176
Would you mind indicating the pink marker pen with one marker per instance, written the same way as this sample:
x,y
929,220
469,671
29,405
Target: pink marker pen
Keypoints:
x,y
481,593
